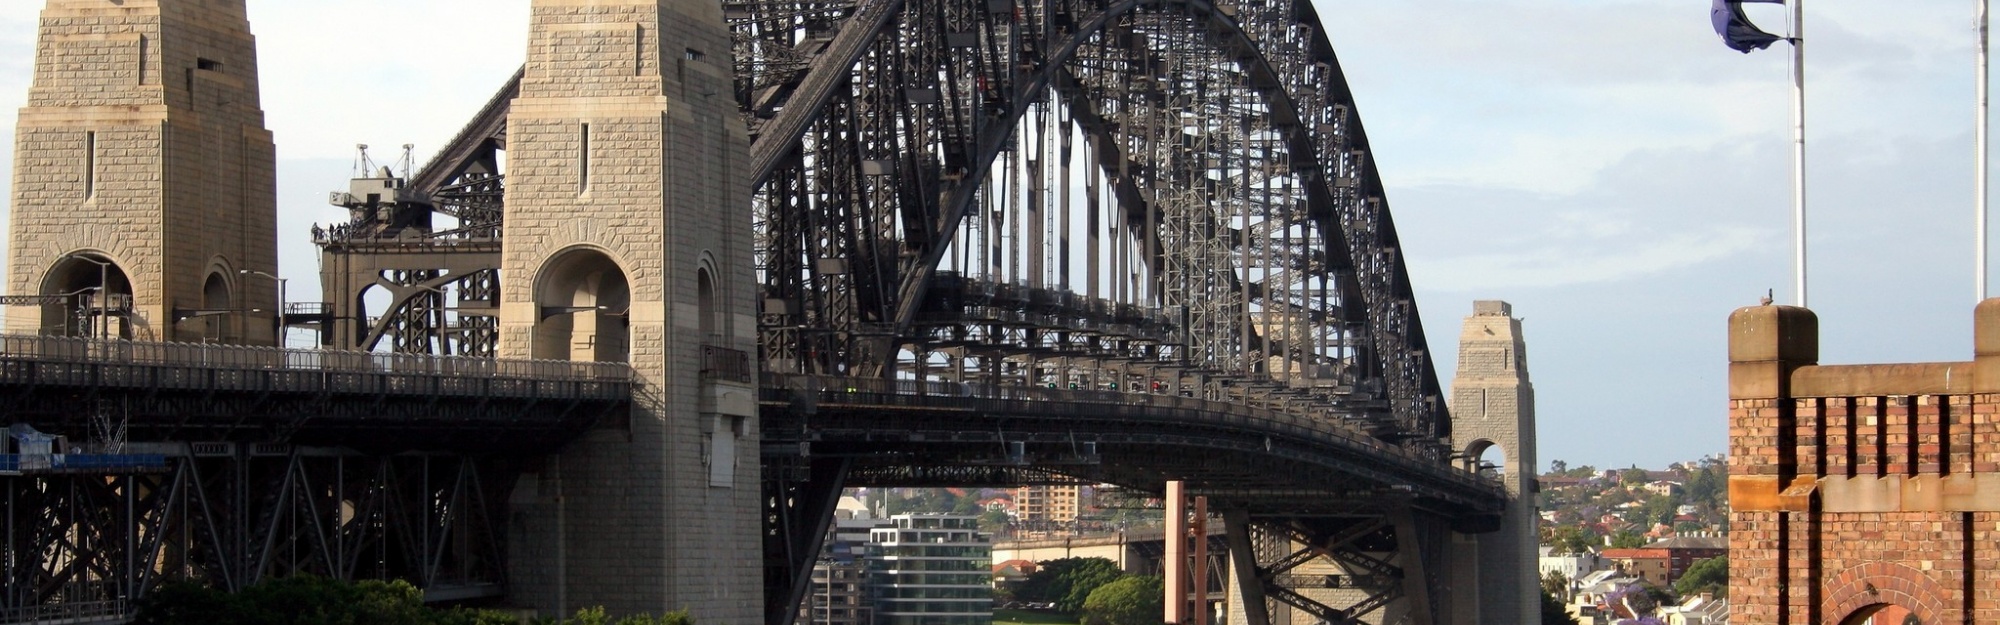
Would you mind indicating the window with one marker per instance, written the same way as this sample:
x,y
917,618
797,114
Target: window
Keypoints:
x,y
583,160
211,65
89,165
705,304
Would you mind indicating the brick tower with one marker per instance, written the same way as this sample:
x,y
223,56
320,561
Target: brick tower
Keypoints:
x,y
143,174
1493,407
1861,493
628,239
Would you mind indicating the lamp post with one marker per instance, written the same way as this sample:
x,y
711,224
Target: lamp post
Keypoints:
x,y
103,296
282,328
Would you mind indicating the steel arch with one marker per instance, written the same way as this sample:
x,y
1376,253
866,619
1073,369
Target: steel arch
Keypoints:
x,y
811,98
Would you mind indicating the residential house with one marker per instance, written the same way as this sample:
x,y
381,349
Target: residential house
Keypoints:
x,y
1703,609
1649,565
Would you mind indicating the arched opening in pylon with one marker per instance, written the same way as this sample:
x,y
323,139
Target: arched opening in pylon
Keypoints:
x,y
582,299
215,297
94,297
1484,456
1882,614
711,326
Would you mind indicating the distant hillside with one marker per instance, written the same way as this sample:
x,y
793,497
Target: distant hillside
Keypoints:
x,y
1591,507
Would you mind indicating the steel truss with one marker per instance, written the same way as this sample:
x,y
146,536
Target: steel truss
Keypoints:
x,y
1095,197
443,279
964,190
1331,496
230,516
1189,167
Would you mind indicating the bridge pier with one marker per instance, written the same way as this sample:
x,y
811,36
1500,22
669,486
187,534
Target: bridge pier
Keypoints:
x,y
628,240
144,185
1248,604
1493,408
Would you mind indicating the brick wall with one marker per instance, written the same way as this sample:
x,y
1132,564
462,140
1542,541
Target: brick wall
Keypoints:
x,y
1857,486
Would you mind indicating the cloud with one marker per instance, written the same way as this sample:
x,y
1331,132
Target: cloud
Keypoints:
x,y
383,72
1569,265
1606,165
1540,94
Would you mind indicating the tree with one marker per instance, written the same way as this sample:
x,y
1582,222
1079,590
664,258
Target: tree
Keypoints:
x,y
1659,509
966,506
1627,539
320,601
1067,582
1558,467
1571,539
1711,575
1705,487
596,616
1554,583
994,520
1633,476
1129,600
1553,612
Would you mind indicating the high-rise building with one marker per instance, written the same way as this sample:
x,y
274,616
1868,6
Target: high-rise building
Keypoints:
x,y
840,584
1052,503
931,569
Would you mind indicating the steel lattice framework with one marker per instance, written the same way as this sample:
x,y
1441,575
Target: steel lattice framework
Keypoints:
x,y
1086,199
1167,194
86,544
1076,192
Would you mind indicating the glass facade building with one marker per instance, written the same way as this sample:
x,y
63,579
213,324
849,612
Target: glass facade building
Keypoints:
x,y
931,569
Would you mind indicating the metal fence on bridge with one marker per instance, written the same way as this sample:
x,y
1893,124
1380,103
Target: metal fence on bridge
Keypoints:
x,y
920,393
187,366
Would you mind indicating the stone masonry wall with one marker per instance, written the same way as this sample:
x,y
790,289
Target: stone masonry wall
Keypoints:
x,y
1493,403
636,516
181,182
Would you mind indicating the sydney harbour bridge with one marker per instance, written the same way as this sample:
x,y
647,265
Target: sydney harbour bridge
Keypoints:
x,y
992,242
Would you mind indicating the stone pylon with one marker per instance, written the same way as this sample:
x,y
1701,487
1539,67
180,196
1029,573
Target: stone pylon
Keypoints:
x,y
1493,407
143,176
628,239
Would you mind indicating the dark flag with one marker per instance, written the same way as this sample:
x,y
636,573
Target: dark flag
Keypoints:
x,y
1735,28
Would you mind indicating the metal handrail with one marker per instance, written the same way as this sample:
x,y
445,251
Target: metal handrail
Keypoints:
x,y
723,363
112,609
1273,421
62,349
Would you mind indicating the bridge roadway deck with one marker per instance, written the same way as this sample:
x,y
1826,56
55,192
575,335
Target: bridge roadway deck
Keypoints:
x,y
191,392
912,433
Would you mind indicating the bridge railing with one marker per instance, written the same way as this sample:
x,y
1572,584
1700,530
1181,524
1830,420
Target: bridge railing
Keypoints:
x,y
179,364
77,612
897,392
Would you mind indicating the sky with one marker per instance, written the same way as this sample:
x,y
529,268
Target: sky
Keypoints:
x,y
1607,166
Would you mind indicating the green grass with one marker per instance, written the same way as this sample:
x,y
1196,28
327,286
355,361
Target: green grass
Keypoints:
x,y
1030,617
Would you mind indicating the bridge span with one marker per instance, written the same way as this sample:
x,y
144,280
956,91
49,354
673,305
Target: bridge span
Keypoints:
x,y
702,264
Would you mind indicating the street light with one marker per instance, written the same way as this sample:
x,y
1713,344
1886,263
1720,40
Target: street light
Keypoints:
x,y
103,296
282,328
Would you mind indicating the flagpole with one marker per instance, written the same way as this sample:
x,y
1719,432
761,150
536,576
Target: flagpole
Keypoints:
x,y
1979,185
1799,148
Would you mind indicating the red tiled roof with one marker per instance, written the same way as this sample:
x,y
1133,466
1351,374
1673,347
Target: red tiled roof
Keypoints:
x,y
1635,554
